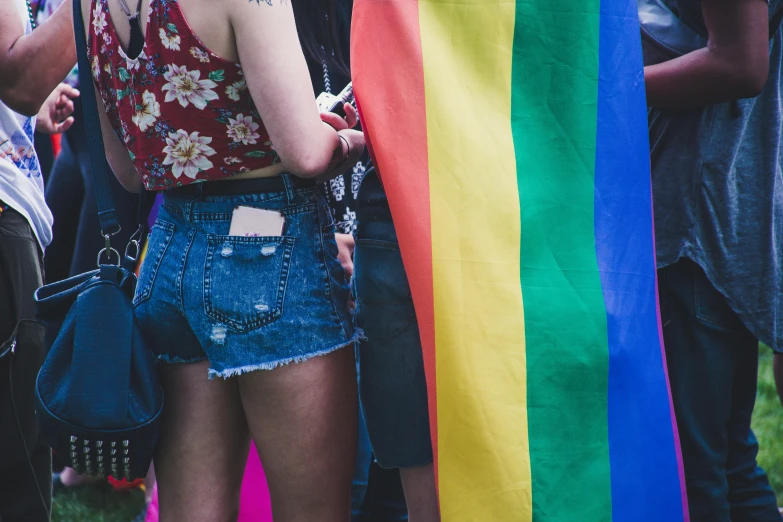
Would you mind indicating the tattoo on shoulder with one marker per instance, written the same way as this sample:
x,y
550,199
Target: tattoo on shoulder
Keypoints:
x,y
268,2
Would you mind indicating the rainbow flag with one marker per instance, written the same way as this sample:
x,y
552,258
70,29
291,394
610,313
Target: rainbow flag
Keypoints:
x,y
511,138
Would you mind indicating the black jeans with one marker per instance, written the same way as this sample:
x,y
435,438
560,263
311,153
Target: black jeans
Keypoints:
x,y
25,485
713,368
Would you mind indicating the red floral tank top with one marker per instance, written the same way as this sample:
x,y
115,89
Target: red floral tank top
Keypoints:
x,y
184,113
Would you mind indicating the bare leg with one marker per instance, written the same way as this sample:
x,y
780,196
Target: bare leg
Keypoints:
x,y
303,420
201,458
420,493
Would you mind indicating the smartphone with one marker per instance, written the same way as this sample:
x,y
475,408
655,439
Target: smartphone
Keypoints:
x,y
328,102
256,222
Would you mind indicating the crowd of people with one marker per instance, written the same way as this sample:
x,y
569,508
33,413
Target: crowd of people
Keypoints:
x,y
218,112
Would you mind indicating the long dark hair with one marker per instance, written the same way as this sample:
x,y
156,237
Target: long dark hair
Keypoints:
x,y
321,25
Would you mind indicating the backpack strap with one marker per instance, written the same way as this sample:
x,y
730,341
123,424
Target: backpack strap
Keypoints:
x,y
774,23
100,173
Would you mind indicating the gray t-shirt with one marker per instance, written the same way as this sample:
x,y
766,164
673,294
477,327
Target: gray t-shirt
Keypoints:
x,y
718,196
21,182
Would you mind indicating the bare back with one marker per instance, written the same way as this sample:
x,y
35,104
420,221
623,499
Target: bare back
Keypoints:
x,y
261,35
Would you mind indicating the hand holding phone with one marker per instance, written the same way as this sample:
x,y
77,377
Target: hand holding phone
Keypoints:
x,y
338,122
328,102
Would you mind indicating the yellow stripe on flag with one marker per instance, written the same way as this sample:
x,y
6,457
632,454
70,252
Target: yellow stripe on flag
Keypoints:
x,y
483,450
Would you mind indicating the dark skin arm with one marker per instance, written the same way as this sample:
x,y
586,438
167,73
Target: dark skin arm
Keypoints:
x,y
31,66
734,65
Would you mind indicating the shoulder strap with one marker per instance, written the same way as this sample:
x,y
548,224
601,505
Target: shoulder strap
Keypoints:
x,y
774,24
100,173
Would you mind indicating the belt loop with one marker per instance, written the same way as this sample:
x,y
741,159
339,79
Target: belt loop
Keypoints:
x,y
200,191
189,205
289,187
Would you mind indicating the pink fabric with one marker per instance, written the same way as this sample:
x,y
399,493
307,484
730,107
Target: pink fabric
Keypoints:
x,y
255,504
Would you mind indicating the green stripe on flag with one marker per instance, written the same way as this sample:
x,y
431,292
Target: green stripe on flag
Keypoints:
x,y
554,111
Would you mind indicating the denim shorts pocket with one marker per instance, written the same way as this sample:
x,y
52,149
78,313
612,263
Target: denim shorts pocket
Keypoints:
x,y
157,244
245,279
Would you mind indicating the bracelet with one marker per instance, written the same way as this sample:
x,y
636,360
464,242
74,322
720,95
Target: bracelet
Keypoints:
x,y
347,146
334,164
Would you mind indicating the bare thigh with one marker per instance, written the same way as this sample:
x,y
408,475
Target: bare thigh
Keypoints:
x,y
202,454
303,418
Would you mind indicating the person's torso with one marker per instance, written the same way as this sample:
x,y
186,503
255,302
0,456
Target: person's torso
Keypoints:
x,y
327,75
184,113
21,181
718,194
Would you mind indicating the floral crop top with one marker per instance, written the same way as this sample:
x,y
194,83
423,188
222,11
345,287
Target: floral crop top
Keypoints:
x,y
184,114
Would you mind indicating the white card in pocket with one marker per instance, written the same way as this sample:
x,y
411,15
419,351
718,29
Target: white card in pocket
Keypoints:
x,y
256,222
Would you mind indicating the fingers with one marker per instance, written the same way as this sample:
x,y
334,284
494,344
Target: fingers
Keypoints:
x,y
351,117
63,107
339,123
334,120
67,90
64,126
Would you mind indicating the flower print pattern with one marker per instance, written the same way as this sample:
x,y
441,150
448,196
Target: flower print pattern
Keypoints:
x,y
243,130
96,68
187,87
199,55
183,113
99,22
169,41
187,153
235,90
147,113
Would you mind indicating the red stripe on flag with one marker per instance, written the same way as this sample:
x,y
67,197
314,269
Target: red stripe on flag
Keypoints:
x,y
388,80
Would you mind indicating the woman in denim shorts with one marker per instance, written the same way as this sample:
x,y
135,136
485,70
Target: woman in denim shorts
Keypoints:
x,y
248,314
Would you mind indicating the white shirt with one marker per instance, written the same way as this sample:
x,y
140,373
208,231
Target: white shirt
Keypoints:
x,y
21,181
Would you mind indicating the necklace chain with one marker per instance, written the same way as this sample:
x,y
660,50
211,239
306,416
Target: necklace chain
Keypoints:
x,y
30,13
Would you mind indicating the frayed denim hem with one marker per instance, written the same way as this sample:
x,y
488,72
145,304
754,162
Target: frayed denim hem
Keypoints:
x,y
233,372
172,359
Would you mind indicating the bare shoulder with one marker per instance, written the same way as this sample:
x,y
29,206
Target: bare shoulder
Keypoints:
x,y
270,16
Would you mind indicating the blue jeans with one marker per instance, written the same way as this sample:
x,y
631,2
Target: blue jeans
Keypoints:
x,y
243,303
713,368
392,384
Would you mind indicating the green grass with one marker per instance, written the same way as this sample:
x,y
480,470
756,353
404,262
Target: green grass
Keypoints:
x,y
99,503
768,424
96,503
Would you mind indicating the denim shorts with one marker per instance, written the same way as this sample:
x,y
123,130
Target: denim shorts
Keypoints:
x,y
243,303
392,383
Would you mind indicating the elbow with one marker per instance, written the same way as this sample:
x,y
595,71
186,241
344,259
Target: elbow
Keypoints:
x,y
305,167
20,100
750,80
747,74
